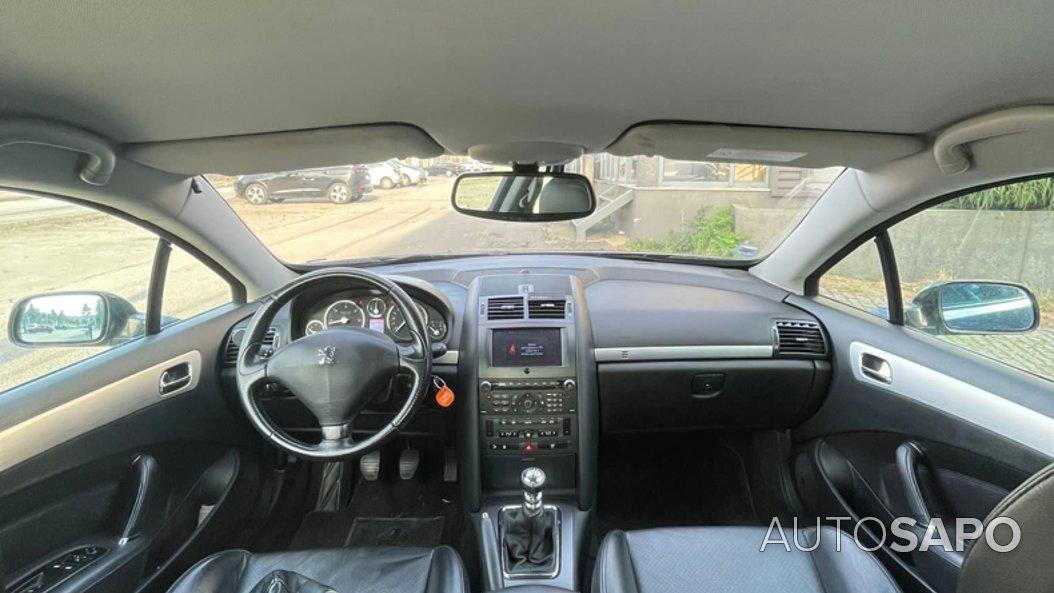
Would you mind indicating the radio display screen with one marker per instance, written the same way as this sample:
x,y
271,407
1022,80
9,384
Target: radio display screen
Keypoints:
x,y
525,347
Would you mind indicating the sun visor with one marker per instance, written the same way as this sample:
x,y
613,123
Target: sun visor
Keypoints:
x,y
775,146
284,151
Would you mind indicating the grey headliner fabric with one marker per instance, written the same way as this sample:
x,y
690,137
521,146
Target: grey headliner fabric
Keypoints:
x,y
722,559
477,72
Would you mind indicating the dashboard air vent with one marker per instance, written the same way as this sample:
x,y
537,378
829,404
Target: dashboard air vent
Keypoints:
x,y
546,308
505,308
799,338
230,355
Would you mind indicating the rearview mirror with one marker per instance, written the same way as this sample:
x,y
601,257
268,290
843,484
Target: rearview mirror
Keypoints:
x,y
975,307
68,319
523,197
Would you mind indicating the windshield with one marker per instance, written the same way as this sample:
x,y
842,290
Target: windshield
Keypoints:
x,y
645,205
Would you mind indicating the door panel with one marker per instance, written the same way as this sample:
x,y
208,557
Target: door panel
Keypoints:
x,y
980,429
147,483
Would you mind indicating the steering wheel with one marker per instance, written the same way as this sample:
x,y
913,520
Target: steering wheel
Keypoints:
x,y
334,372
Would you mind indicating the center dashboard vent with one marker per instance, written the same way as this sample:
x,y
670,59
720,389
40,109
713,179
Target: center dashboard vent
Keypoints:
x,y
505,308
230,355
799,338
546,308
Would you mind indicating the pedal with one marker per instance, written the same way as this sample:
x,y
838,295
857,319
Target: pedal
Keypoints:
x,y
409,461
370,466
449,465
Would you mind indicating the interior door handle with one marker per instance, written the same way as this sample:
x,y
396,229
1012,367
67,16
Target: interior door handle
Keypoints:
x,y
174,379
876,368
910,459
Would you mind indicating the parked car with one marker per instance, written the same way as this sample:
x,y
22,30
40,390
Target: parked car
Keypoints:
x,y
475,167
340,185
408,174
444,169
385,175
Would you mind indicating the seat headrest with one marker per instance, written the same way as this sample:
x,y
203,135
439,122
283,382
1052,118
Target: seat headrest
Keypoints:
x,y
1027,568
563,195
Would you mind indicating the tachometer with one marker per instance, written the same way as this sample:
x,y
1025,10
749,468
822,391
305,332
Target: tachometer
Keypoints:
x,y
345,312
396,322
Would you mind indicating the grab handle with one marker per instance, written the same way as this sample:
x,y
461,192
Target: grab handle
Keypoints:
x,y
99,157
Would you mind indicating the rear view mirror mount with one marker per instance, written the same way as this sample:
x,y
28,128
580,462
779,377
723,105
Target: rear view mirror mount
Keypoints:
x,y
523,196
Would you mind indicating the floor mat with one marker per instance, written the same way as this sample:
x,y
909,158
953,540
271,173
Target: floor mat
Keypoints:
x,y
665,480
422,511
371,531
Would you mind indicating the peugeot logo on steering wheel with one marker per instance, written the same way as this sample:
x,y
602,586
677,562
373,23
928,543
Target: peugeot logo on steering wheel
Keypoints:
x,y
327,355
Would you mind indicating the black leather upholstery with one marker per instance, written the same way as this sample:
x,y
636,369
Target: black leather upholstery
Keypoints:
x,y
1028,567
348,570
691,559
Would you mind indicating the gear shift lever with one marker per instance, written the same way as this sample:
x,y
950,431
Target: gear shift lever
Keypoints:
x,y
532,479
528,531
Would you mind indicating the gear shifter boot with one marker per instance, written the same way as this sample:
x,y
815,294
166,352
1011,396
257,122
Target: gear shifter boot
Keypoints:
x,y
528,543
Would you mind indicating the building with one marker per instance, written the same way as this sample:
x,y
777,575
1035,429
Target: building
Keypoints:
x,y
647,196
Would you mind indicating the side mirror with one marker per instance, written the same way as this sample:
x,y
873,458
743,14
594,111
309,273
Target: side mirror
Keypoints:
x,y
974,307
523,197
69,319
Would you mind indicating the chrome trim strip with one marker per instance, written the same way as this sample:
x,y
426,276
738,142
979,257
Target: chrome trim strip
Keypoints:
x,y
709,352
91,410
960,399
451,357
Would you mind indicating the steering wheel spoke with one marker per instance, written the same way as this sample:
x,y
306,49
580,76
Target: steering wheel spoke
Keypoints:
x,y
336,434
253,374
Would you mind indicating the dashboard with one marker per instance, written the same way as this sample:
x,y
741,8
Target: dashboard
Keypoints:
x,y
369,309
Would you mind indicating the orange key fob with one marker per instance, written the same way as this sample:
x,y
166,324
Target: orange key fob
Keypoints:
x,y
444,394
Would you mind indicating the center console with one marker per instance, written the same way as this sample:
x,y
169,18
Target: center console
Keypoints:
x,y
532,411
528,388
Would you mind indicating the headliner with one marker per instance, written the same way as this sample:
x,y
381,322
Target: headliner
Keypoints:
x,y
474,73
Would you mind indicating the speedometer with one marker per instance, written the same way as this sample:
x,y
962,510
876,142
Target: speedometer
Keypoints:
x,y
345,312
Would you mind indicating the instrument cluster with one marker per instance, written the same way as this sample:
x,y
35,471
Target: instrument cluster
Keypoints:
x,y
371,310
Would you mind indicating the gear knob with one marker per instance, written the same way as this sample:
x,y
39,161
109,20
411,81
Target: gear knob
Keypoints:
x,y
533,480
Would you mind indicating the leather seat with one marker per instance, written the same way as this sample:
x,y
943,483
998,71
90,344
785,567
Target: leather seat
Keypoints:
x,y
693,559
347,570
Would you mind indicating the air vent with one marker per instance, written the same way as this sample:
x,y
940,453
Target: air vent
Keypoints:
x,y
230,355
505,308
546,308
799,338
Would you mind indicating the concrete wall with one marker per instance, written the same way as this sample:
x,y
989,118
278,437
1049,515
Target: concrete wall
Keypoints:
x,y
947,244
655,211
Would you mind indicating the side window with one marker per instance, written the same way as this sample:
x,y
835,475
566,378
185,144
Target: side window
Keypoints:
x,y
947,253
857,281
191,288
75,282
49,246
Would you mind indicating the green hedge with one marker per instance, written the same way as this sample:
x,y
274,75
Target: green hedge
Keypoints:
x,y
714,236
1037,194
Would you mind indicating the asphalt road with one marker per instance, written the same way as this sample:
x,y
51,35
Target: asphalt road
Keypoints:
x,y
403,221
